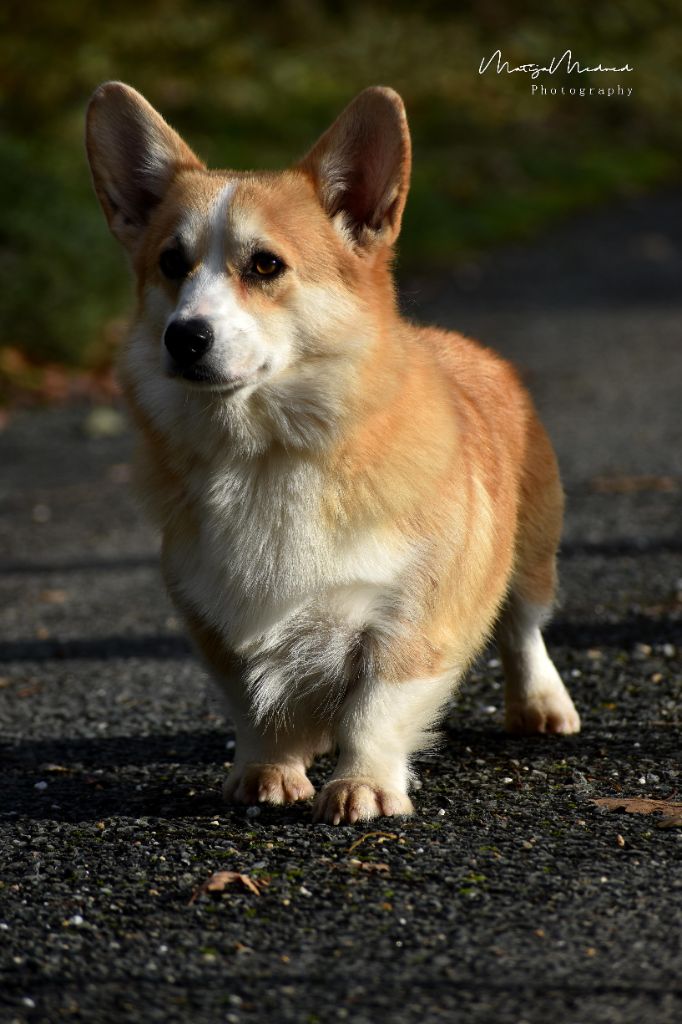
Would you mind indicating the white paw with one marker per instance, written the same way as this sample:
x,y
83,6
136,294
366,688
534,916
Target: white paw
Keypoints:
x,y
345,801
267,784
547,711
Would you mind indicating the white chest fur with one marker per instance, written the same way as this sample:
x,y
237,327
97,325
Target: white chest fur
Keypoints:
x,y
284,590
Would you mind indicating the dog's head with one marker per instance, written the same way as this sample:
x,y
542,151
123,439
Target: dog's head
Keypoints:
x,y
252,280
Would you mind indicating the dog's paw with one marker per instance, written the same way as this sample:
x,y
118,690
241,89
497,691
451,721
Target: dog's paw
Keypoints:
x,y
550,711
266,784
345,801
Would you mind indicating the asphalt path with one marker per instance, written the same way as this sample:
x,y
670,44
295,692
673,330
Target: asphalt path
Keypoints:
x,y
511,897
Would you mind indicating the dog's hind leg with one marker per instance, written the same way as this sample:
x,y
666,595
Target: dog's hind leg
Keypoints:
x,y
535,697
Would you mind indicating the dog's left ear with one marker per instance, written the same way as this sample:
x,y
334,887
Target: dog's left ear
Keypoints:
x,y
134,156
361,167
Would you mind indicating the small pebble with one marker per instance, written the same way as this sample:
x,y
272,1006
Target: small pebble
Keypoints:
x,y
252,812
40,786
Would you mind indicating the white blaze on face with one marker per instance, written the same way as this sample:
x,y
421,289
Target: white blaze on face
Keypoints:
x,y
240,348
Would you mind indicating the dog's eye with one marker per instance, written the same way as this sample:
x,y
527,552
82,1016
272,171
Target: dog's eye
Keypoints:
x,y
264,264
173,265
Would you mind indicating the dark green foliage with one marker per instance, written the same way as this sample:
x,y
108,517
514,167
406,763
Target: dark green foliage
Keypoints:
x,y
254,86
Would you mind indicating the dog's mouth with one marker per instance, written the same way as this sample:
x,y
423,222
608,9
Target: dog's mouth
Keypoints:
x,y
202,378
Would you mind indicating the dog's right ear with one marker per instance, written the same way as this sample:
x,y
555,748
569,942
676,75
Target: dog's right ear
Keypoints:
x,y
361,168
134,156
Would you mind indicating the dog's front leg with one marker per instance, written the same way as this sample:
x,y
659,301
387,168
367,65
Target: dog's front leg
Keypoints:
x,y
270,764
380,725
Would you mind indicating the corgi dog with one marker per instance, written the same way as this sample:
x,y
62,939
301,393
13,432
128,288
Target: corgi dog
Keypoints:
x,y
350,505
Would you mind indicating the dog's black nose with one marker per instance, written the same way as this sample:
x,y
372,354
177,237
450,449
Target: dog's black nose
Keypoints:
x,y
188,340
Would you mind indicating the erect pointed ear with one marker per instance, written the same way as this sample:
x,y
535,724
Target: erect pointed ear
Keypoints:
x,y
361,167
134,155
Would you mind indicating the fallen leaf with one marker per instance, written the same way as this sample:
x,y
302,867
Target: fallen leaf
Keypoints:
x,y
380,836
219,881
638,804
29,691
53,596
673,821
370,866
671,809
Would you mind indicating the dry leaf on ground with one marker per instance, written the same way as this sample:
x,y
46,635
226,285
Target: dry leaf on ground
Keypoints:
x,y
671,809
381,837
372,867
674,821
219,881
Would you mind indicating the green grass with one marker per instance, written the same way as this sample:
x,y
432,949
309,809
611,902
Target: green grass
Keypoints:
x,y
253,86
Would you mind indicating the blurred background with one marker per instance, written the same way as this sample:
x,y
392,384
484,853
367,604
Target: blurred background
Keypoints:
x,y
252,86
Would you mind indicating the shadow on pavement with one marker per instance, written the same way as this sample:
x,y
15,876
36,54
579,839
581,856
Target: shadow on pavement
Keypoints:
x,y
162,646
178,775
